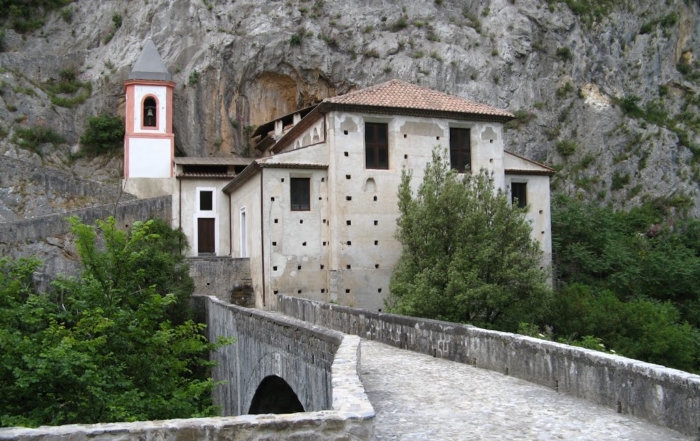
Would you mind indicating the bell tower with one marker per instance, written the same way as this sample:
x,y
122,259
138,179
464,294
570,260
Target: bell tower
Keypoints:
x,y
149,143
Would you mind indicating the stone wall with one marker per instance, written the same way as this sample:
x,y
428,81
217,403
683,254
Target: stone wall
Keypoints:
x,y
663,396
55,225
226,278
267,344
56,182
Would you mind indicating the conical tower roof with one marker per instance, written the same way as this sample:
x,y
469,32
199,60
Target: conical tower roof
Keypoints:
x,y
150,66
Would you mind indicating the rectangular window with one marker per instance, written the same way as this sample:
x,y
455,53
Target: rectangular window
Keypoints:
x,y
518,194
377,145
206,200
460,150
300,189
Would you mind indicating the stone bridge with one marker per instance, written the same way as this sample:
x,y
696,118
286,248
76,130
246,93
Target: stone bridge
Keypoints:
x,y
426,380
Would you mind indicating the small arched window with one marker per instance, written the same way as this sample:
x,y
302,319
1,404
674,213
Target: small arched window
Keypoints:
x,y
149,112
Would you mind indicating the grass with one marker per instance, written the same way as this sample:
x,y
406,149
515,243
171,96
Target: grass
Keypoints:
x,y
32,137
619,181
565,90
68,91
400,24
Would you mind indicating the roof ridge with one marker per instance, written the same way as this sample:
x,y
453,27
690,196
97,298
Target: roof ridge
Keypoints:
x,y
397,93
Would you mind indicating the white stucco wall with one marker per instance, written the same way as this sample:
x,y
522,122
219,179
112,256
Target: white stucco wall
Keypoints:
x,y
186,212
354,209
247,198
539,214
296,242
160,92
149,158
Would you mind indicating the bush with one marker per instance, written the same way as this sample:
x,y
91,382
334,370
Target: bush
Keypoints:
x,y
566,147
115,344
619,180
295,40
117,20
564,53
103,134
193,78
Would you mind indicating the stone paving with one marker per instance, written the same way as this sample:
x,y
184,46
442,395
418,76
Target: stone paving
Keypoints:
x,y
421,398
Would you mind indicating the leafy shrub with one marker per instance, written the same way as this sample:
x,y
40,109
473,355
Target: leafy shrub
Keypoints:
x,y
117,20
115,344
566,147
630,107
103,133
295,40
564,53
647,28
193,78
2,40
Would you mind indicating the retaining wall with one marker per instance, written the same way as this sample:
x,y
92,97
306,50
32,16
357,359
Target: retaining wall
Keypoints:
x,y
54,225
663,396
55,182
225,278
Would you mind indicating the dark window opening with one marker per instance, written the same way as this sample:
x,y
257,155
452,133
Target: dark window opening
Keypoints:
x,y
149,112
518,194
377,145
300,194
274,395
460,150
206,200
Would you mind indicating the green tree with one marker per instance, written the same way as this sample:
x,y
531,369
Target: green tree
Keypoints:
x,y
115,344
104,133
467,253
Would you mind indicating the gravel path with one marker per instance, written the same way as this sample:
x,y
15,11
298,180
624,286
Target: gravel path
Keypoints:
x,y
421,398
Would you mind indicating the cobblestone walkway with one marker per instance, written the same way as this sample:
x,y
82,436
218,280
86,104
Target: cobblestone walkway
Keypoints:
x,y
421,398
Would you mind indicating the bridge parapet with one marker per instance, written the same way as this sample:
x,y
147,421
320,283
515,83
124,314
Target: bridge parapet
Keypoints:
x,y
349,415
663,396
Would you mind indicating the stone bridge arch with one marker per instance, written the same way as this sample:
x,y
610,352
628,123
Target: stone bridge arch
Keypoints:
x,y
274,395
268,346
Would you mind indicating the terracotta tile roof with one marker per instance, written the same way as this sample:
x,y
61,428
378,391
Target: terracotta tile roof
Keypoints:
x,y
400,94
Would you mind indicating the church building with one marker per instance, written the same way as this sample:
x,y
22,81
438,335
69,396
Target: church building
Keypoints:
x,y
316,211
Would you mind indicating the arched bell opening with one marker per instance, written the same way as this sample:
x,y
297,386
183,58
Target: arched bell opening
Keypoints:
x,y
274,395
149,112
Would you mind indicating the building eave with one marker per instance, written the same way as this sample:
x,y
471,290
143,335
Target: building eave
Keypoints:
x,y
242,177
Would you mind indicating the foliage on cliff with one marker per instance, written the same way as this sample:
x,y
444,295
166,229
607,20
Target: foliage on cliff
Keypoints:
x,y
467,253
28,15
103,133
630,279
115,344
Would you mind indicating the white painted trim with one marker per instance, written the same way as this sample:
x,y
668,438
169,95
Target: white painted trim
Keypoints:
x,y
205,214
199,190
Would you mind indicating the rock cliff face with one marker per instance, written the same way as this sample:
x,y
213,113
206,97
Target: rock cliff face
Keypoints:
x,y
573,80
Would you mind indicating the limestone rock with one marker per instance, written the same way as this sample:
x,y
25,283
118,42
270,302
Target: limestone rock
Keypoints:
x,y
237,65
